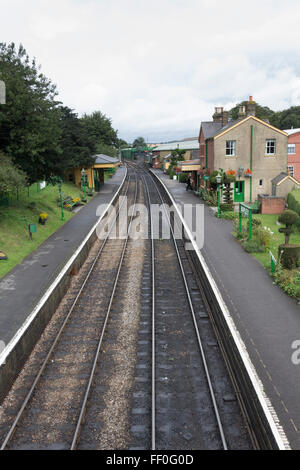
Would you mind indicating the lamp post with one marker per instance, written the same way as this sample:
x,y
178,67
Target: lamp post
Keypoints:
x,y
83,178
59,181
218,180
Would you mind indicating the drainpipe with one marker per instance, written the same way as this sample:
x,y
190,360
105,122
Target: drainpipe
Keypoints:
x,y
206,154
251,158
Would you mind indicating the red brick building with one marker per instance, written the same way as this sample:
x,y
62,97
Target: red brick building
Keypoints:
x,y
294,153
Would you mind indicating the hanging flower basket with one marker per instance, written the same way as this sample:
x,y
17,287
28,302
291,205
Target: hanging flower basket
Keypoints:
x,y
248,173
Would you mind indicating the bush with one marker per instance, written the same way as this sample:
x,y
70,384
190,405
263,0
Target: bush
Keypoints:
x,y
255,223
289,255
288,280
288,217
253,246
263,235
229,215
183,178
226,207
293,201
171,173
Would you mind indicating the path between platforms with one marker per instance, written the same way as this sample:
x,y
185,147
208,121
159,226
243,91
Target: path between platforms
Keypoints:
x,y
267,319
25,284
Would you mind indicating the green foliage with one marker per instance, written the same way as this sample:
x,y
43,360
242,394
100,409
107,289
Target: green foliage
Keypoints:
x,y
77,145
183,177
11,177
178,155
253,246
210,197
229,215
262,112
255,223
285,119
226,207
139,142
289,255
30,119
288,280
171,172
107,150
263,236
293,201
228,194
288,218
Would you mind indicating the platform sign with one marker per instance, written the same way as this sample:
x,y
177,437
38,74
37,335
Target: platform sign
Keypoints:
x,y
245,211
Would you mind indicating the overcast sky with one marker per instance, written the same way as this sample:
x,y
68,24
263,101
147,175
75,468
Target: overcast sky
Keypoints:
x,y
158,67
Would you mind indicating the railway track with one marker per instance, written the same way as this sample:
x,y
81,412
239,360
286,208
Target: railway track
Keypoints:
x,y
153,379
191,393
72,358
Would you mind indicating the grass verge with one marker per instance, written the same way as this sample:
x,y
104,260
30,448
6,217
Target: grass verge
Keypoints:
x,y
14,220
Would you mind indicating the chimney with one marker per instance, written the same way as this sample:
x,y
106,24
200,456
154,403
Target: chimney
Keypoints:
x,y
218,116
242,112
221,116
225,117
251,107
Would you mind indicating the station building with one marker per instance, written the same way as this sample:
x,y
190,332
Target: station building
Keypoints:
x,y
102,169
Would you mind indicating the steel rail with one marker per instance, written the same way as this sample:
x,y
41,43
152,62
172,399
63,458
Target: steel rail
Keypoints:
x,y
209,382
96,357
153,409
49,354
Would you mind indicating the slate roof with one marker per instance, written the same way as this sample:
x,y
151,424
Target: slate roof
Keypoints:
x,y
279,177
102,159
210,128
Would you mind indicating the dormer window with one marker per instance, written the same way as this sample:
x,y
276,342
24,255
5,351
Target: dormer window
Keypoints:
x,y
270,146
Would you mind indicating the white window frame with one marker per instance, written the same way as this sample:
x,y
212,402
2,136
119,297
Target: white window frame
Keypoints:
x,y
291,170
293,148
268,144
230,147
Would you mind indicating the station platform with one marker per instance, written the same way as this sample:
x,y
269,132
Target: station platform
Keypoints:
x,y
26,283
266,318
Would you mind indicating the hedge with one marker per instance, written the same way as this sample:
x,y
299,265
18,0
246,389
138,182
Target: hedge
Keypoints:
x,y
294,201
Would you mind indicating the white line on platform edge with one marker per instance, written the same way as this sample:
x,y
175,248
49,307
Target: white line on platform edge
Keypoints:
x,y
270,413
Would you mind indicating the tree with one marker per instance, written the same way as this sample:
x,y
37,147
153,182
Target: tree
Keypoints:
x,y
107,150
11,177
177,155
98,127
77,146
122,144
139,143
288,218
30,119
262,112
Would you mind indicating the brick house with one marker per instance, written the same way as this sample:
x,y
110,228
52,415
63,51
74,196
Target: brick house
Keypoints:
x,y
294,153
254,149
